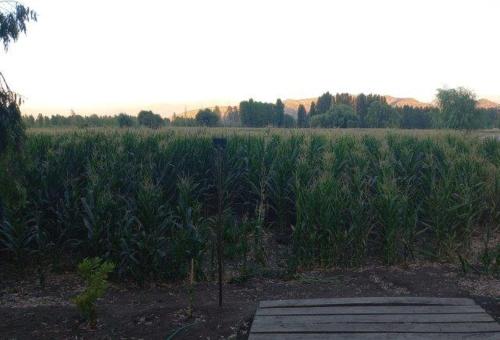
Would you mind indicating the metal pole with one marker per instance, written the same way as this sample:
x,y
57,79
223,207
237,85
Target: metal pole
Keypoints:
x,y
2,216
220,145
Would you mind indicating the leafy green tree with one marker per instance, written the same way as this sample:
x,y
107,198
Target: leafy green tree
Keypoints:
x,y
124,120
207,117
375,98
40,120
312,109
11,123
364,103
246,113
381,115
458,108
344,116
279,113
288,121
323,120
74,120
149,119
361,107
344,99
341,116
301,116
488,117
257,114
29,121
415,118
183,121
13,19
324,103
232,116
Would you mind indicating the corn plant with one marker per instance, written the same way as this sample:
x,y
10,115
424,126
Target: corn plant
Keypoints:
x,y
150,201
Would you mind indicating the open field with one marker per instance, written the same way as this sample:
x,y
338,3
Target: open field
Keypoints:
x,y
146,199
223,131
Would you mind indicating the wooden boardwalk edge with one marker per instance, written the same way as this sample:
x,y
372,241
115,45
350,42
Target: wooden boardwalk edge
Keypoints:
x,y
373,318
376,336
369,301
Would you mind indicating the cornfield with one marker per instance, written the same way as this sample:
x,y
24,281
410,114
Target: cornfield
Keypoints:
x,y
148,200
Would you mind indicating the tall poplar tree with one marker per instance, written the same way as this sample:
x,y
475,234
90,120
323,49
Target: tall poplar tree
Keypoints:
x,y
279,113
312,109
301,116
324,103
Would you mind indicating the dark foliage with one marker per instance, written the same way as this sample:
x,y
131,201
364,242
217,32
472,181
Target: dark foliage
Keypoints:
x,y
207,117
150,119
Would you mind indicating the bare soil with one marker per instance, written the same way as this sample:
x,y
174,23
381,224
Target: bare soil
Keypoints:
x,y
160,310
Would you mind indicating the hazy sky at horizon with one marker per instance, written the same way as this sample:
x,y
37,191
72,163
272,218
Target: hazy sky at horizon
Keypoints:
x,y
109,56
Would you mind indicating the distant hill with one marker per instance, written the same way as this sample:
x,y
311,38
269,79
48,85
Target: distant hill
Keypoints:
x,y
292,105
400,102
192,113
484,103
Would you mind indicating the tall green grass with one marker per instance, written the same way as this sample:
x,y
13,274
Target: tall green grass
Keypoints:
x,y
148,201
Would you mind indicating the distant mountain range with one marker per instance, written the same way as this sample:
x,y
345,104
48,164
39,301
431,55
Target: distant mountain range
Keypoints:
x,y
482,103
192,113
400,102
487,104
292,105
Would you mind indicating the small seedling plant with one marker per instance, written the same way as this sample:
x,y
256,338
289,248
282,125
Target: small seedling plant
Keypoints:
x,y
94,272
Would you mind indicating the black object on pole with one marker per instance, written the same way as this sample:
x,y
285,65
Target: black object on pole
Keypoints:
x,y
220,143
220,147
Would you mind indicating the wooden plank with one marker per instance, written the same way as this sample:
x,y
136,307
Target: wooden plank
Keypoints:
x,y
377,336
381,318
261,325
368,300
371,310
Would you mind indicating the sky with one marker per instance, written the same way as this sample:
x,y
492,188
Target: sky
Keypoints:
x,y
111,56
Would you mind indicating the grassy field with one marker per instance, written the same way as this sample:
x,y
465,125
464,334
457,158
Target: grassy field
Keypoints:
x,y
152,201
267,131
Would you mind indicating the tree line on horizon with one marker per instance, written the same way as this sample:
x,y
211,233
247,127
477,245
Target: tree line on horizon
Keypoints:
x,y
456,109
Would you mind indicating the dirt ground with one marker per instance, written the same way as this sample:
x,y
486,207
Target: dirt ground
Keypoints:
x,y
159,311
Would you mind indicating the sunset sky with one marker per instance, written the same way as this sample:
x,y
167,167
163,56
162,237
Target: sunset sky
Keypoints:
x,y
107,56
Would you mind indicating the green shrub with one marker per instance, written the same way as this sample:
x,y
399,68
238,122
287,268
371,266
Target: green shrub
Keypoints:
x,y
94,272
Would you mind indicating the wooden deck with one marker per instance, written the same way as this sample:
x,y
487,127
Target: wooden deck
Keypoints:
x,y
374,318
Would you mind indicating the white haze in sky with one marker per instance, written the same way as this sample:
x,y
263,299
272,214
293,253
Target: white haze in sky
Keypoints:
x,y
107,56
